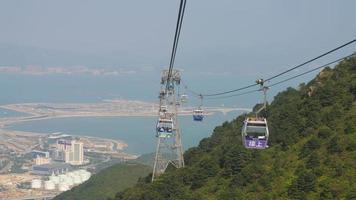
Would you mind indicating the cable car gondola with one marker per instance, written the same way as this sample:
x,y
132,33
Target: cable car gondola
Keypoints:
x,y
164,128
255,133
255,129
198,115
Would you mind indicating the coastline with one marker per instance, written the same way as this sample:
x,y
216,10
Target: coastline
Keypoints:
x,y
118,108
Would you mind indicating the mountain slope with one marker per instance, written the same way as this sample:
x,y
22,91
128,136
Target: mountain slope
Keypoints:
x,y
312,153
107,183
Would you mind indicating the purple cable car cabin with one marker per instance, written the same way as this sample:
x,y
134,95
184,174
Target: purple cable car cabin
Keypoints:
x,y
255,133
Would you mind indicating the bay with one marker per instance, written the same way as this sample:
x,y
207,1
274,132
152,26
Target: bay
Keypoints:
x,y
137,132
11,113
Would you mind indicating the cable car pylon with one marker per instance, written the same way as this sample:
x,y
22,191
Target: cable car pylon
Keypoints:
x,y
169,150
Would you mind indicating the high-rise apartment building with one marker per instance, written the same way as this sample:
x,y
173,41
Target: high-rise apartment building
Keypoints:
x,y
74,155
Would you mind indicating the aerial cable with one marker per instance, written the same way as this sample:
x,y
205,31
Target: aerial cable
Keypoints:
x,y
179,30
175,37
298,66
311,60
312,70
176,40
234,95
189,90
230,91
282,73
285,80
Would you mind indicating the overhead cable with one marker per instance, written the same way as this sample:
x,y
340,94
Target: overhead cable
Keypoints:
x,y
281,73
176,39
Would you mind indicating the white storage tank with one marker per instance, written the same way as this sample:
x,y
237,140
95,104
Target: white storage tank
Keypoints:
x,y
71,174
63,187
36,184
68,181
84,175
54,179
76,172
49,185
87,175
77,179
62,177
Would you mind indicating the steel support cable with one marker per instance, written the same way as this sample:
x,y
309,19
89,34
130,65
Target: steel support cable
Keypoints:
x,y
186,88
176,40
179,31
284,72
176,34
312,70
285,80
311,60
234,95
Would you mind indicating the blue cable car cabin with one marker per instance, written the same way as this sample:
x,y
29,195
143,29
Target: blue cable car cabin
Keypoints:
x,y
198,115
164,128
255,133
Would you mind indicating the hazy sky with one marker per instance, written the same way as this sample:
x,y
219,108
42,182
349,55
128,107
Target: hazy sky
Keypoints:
x,y
244,37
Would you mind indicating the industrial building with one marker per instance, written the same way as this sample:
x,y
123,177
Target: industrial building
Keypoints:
x,y
36,153
49,169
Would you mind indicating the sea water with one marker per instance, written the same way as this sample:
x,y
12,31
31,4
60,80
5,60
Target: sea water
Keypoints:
x,y
11,113
137,132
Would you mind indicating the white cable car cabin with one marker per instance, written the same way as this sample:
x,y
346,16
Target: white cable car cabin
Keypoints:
x,y
164,128
184,98
255,133
198,115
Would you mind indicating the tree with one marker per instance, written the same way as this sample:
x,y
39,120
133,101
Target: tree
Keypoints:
x,y
304,183
309,147
324,132
334,145
313,161
351,194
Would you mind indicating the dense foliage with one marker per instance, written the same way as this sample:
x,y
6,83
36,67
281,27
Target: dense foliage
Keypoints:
x,y
107,183
312,153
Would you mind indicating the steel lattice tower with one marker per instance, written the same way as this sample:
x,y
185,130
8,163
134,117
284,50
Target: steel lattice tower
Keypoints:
x,y
169,151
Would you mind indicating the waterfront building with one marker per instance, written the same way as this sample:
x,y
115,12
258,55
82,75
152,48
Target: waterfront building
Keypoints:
x,y
75,154
62,146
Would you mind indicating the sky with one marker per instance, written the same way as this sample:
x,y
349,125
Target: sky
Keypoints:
x,y
233,38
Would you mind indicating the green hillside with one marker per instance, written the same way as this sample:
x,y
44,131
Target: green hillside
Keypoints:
x,y
312,153
107,183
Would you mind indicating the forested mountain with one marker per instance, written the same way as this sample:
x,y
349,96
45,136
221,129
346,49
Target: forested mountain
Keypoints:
x,y
312,152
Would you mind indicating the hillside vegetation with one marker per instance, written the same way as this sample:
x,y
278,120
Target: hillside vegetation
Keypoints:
x,y
107,183
312,152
